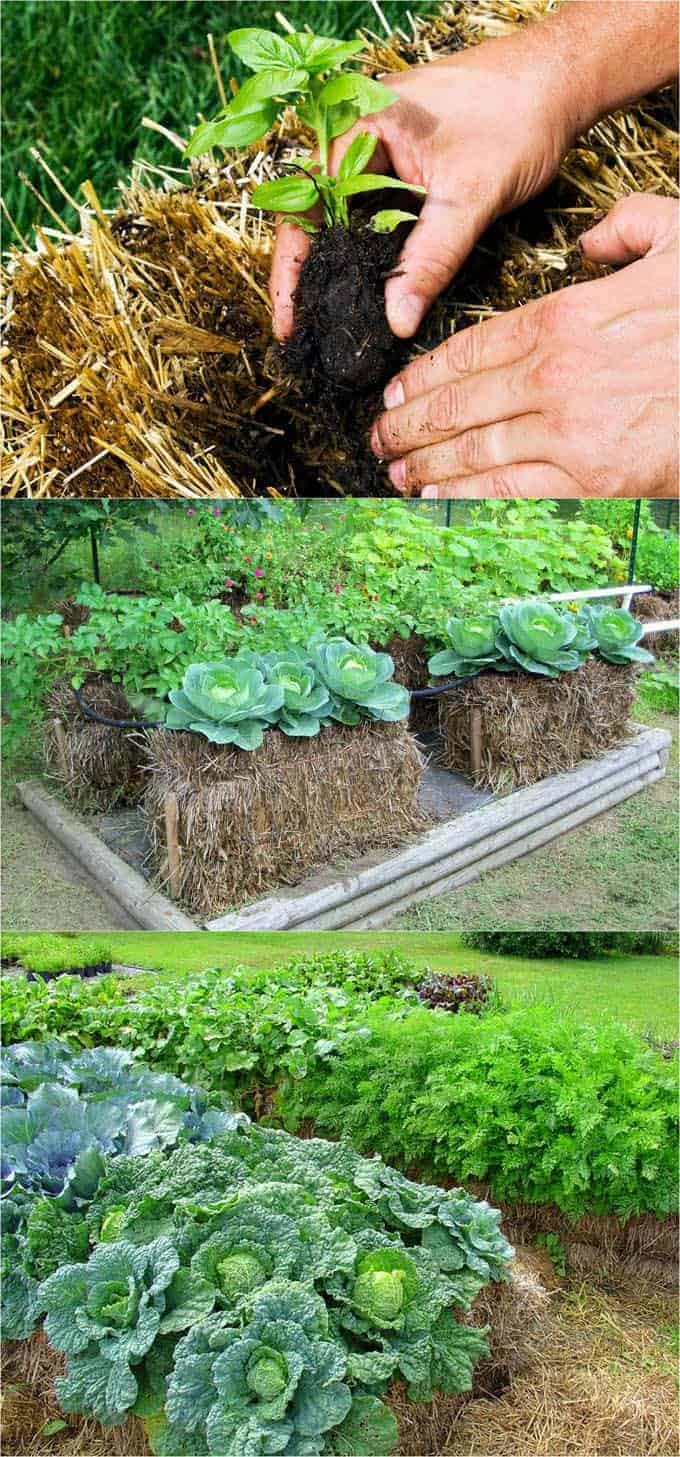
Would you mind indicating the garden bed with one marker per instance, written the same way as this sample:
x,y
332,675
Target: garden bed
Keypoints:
x,y
371,890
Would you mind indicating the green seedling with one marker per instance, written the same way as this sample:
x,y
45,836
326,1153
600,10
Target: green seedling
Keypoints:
x,y
306,70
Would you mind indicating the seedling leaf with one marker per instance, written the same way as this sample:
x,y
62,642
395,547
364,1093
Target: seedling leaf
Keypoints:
x,y
372,182
390,218
259,49
236,129
286,194
357,156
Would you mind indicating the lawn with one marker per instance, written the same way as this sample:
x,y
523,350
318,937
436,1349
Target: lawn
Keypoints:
x,y
638,990
78,78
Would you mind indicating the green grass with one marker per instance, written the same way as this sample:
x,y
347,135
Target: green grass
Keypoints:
x,y
638,990
78,78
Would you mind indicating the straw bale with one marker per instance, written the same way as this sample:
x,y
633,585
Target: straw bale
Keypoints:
x,y
410,657
534,726
29,1370
101,766
251,821
655,608
139,359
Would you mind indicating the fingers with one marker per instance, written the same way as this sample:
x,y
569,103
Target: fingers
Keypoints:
x,y
432,254
634,227
493,447
510,483
499,341
292,247
450,409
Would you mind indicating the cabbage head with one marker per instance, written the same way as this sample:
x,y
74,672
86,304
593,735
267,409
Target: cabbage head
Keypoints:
x,y
228,703
617,634
472,647
306,700
276,1384
358,681
250,1248
106,1314
539,638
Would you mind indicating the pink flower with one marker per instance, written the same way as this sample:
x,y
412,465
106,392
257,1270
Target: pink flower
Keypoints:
x,y
338,587
260,596
259,572
229,582
217,511
191,511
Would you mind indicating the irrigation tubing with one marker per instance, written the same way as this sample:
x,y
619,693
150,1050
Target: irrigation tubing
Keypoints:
x,y
143,723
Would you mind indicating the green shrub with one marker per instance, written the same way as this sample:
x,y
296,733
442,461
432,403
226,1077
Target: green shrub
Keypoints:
x,y
659,689
534,1103
657,560
576,945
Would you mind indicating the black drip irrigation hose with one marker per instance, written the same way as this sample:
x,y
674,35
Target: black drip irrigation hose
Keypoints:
x,y
143,723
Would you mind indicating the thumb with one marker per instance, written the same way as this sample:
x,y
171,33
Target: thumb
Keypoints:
x,y
436,247
635,226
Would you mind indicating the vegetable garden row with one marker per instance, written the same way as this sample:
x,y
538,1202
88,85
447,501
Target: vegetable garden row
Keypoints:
x,y
240,1288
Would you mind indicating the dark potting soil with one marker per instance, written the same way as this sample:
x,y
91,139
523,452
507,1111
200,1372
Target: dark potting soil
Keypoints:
x,y
342,340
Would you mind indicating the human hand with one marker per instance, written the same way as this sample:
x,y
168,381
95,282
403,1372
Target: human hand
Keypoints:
x,y
574,394
482,131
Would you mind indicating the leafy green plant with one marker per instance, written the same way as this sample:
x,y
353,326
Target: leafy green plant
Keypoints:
x,y
573,945
535,1103
306,701
660,688
358,680
472,648
227,703
308,69
541,639
617,634
306,1277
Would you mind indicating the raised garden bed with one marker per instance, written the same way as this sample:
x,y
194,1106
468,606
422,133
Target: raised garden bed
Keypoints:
x,y
225,824
512,729
372,889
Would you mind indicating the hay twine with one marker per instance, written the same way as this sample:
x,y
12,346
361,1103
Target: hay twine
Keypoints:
x,y
137,358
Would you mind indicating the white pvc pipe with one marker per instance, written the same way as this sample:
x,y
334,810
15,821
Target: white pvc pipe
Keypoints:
x,y
627,591
666,625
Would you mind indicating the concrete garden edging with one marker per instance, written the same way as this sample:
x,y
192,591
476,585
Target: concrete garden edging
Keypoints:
x,y
380,886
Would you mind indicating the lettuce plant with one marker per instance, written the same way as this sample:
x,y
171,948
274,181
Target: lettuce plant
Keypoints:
x,y
616,634
308,69
106,1315
276,1383
357,679
228,703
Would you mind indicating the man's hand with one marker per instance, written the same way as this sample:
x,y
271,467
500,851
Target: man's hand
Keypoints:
x,y
482,131
573,395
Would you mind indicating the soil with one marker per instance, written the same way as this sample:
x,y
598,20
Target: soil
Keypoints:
x,y
342,336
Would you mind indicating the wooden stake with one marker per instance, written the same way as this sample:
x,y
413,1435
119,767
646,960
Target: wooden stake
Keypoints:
x,y
172,842
60,745
475,742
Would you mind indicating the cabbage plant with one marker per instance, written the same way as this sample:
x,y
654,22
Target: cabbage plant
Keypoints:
x,y
106,1315
306,700
359,682
472,648
616,635
228,703
540,638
